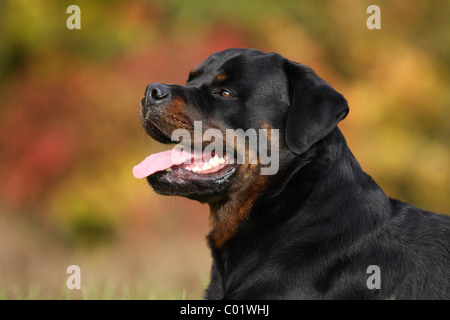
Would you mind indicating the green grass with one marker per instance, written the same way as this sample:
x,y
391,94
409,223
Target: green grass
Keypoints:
x,y
107,292
137,289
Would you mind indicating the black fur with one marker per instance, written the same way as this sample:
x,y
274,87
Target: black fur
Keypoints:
x,y
318,228
320,222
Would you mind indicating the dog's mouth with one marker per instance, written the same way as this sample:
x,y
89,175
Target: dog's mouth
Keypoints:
x,y
182,170
176,161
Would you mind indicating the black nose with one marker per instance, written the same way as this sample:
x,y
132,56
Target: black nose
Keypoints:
x,y
157,93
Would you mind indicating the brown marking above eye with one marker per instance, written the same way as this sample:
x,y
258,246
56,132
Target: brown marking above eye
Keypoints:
x,y
221,77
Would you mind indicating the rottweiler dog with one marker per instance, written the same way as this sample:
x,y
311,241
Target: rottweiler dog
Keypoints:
x,y
317,228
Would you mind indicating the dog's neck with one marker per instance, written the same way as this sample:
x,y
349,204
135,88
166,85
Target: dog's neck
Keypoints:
x,y
227,215
306,207
315,179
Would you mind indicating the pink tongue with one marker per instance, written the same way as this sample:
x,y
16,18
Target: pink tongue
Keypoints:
x,y
161,161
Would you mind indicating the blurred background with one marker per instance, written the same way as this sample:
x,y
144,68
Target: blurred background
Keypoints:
x,y
70,131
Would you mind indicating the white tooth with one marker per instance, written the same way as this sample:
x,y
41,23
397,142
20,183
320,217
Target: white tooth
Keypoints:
x,y
169,169
196,169
221,160
206,167
214,161
218,160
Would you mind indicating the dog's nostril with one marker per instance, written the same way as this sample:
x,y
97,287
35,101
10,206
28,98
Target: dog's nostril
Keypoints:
x,y
157,94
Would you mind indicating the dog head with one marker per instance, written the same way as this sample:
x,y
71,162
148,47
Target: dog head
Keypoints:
x,y
238,91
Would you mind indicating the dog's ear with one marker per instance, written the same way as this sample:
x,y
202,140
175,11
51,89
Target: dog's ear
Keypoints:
x,y
315,108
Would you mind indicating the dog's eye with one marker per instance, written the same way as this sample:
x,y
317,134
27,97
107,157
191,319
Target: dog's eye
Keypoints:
x,y
225,94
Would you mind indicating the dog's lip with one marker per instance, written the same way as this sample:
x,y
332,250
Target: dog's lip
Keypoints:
x,y
179,175
157,133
